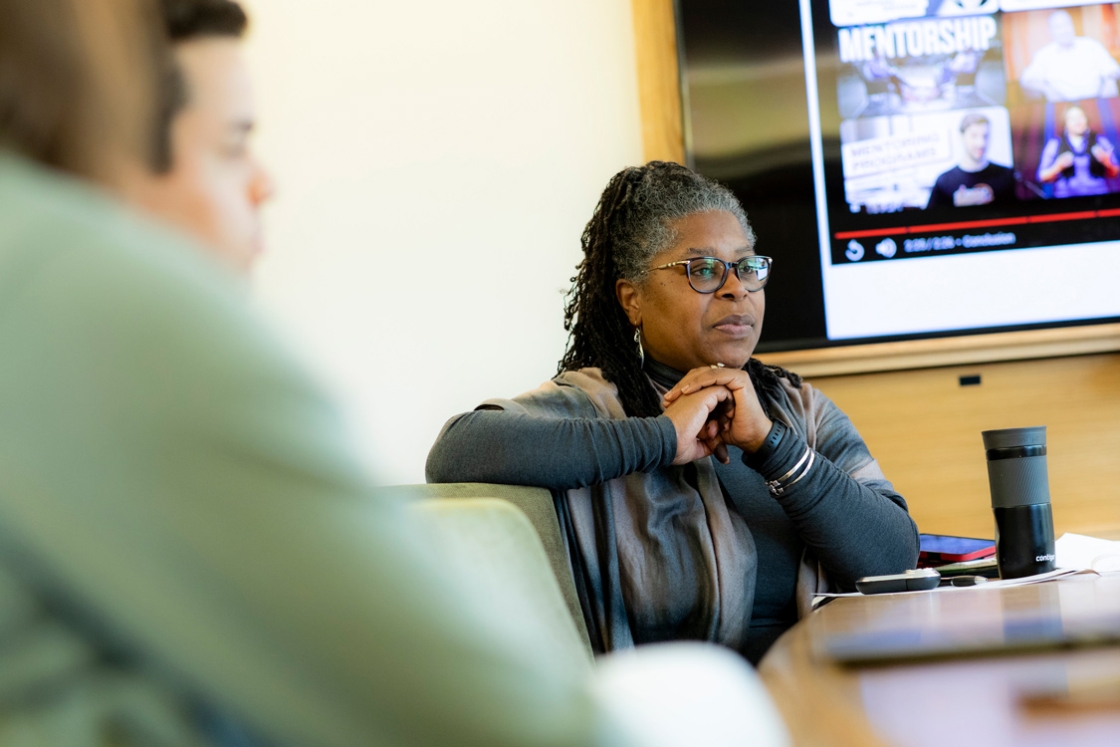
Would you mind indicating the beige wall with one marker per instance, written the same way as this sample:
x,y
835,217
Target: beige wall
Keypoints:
x,y
436,162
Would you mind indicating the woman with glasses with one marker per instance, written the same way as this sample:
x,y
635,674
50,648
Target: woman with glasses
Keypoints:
x,y
702,494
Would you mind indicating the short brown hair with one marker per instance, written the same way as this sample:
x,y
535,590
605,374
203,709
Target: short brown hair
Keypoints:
x,y
194,19
184,21
973,118
76,81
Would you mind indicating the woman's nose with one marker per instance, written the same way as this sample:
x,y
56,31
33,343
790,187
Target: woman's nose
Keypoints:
x,y
733,287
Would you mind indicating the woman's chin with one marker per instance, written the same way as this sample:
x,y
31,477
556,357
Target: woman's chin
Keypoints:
x,y
733,356
728,361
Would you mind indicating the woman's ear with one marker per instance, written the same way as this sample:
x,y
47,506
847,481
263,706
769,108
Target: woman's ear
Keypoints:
x,y
630,298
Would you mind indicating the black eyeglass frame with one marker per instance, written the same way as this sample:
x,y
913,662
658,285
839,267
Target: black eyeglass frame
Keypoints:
x,y
737,264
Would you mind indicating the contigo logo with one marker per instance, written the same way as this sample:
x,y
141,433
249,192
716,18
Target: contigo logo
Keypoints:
x,y
1041,558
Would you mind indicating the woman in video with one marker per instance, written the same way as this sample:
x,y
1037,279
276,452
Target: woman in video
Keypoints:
x,y
703,494
1080,162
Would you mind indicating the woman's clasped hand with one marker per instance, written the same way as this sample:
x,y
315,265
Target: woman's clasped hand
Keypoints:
x,y
734,415
702,419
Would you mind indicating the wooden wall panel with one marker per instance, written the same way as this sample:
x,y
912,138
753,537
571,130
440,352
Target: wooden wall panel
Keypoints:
x,y
659,92
924,428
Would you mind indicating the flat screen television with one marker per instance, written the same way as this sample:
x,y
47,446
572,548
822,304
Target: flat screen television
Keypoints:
x,y
917,168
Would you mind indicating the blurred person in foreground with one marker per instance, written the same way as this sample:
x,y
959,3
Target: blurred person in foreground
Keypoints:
x,y
189,553
209,183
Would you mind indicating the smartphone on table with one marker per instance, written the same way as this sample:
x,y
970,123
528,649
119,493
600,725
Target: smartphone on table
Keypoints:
x,y
941,548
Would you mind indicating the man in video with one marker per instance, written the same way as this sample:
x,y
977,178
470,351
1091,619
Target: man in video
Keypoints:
x,y
1071,67
1080,162
974,180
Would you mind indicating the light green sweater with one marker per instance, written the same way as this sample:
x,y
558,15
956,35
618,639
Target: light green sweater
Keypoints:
x,y
183,525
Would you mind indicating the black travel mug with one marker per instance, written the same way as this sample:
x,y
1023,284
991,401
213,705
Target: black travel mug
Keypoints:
x,y
1020,500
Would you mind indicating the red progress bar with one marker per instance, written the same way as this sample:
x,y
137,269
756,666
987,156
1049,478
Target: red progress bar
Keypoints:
x,y
960,225
872,232
1055,217
967,224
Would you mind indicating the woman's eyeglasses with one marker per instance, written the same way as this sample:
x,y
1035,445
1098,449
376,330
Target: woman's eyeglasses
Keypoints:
x,y
708,274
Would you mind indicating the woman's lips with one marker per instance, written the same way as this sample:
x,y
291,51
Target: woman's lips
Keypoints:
x,y
736,325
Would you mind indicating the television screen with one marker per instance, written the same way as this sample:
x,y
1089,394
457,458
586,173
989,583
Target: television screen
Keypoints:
x,y
917,168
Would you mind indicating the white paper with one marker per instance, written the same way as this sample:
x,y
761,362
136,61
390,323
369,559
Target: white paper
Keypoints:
x,y
1083,553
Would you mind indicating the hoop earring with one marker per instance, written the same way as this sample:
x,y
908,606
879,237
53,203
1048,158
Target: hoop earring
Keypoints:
x,y
638,342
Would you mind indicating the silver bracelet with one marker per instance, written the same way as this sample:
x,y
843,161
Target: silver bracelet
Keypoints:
x,y
795,467
777,488
808,467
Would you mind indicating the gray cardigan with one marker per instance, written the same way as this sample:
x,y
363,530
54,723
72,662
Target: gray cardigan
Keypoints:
x,y
662,552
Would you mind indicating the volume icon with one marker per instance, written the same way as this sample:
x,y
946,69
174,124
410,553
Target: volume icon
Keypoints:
x,y
886,248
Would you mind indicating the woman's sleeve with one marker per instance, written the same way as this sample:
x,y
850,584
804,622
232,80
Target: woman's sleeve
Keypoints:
x,y
843,506
515,448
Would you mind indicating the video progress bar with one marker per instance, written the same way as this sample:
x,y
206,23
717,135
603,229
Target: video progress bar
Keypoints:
x,y
992,223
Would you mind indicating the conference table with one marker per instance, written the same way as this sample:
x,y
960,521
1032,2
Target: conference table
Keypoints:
x,y
948,677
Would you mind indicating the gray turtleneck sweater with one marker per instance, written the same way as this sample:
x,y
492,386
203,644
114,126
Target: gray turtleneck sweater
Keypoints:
x,y
854,529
